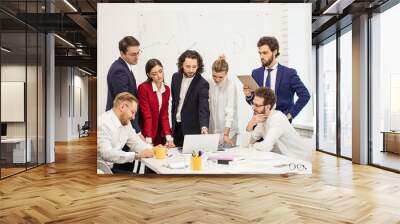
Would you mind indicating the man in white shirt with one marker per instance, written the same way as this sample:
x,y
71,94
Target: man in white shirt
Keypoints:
x,y
117,141
270,129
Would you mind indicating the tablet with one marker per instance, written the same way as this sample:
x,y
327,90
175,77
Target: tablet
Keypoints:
x,y
247,80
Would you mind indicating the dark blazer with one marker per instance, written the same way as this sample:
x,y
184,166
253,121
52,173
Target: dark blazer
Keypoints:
x,y
195,112
121,79
286,85
151,116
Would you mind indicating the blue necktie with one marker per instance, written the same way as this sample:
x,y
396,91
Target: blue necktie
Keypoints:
x,y
268,80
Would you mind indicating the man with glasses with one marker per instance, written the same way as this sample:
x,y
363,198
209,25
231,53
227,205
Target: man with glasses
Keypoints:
x,y
117,142
283,80
270,129
121,79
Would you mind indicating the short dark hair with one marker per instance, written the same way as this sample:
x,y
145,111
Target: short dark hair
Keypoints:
x,y
126,42
267,94
193,55
271,42
150,65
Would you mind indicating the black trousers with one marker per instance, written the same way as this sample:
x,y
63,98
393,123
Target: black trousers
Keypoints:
x,y
178,135
126,168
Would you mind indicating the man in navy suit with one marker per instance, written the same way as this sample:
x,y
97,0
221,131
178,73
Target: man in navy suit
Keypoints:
x,y
283,80
189,90
121,79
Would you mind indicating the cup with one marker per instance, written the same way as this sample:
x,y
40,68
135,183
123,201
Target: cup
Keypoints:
x,y
160,152
196,162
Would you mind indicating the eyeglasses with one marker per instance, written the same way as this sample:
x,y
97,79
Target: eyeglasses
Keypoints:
x,y
293,166
299,167
255,105
134,54
127,106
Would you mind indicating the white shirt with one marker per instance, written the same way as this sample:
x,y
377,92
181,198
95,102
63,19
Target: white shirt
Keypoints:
x,y
159,93
129,65
111,138
273,75
223,107
184,88
280,136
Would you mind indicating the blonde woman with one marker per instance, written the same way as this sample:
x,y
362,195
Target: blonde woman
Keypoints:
x,y
223,103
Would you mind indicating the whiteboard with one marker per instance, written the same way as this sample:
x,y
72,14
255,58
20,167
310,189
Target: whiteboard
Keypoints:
x,y
166,30
12,101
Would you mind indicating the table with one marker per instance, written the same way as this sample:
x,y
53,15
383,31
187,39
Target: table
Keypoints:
x,y
13,150
391,141
247,161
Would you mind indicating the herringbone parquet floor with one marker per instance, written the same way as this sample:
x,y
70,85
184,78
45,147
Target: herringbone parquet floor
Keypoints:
x,y
69,191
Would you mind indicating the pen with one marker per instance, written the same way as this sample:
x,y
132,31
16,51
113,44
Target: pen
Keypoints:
x,y
200,153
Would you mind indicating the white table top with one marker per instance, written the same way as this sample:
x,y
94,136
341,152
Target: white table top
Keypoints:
x,y
13,140
247,161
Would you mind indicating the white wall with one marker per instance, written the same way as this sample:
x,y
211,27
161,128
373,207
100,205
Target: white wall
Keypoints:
x,y
68,81
166,30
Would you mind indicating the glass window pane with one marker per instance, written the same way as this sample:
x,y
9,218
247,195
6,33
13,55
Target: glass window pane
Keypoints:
x,y
385,86
41,98
327,97
346,94
31,97
13,87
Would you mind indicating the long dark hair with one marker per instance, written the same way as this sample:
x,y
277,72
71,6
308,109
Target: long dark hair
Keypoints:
x,y
193,55
150,65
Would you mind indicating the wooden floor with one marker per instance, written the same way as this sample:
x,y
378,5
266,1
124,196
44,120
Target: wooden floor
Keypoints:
x,y
387,159
69,191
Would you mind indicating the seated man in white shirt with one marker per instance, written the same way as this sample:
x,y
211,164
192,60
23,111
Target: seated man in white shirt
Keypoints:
x,y
270,129
117,141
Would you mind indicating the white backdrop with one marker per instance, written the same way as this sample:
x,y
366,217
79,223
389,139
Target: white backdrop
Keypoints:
x,y
166,30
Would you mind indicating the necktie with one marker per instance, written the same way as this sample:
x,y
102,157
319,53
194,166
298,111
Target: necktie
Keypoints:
x,y
268,80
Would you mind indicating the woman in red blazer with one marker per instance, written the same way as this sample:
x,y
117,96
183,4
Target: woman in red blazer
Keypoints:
x,y
153,97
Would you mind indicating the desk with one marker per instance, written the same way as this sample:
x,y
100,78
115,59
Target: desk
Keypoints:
x,y
13,150
391,141
249,161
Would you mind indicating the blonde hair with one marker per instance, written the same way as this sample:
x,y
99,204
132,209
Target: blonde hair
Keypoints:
x,y
124,97
220,65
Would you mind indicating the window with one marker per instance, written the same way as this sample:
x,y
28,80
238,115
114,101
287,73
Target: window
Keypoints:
x,y
346,94
385,89
327,96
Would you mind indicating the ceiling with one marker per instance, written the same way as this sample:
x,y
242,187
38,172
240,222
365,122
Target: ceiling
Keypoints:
x,y
75,23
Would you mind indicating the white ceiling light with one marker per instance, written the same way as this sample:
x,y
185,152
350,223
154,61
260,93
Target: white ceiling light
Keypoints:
x,y
337,7
84,71
5,50
65,41
70,5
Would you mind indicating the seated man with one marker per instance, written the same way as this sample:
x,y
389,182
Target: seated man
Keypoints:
x,y
270,129
117,142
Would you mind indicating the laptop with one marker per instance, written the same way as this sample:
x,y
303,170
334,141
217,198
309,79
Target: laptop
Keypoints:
x,y
205,143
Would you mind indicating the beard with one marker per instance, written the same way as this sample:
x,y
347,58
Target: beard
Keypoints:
x,y
267,62
256,112
125,122
189,76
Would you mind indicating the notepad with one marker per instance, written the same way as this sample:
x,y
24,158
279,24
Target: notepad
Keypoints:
x,y
176,165
222,157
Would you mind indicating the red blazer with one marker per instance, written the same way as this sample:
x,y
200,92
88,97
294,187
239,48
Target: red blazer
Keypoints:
x,y
151,116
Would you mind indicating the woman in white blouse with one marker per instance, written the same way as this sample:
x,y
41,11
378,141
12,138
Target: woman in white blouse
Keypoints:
x,y
223,103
